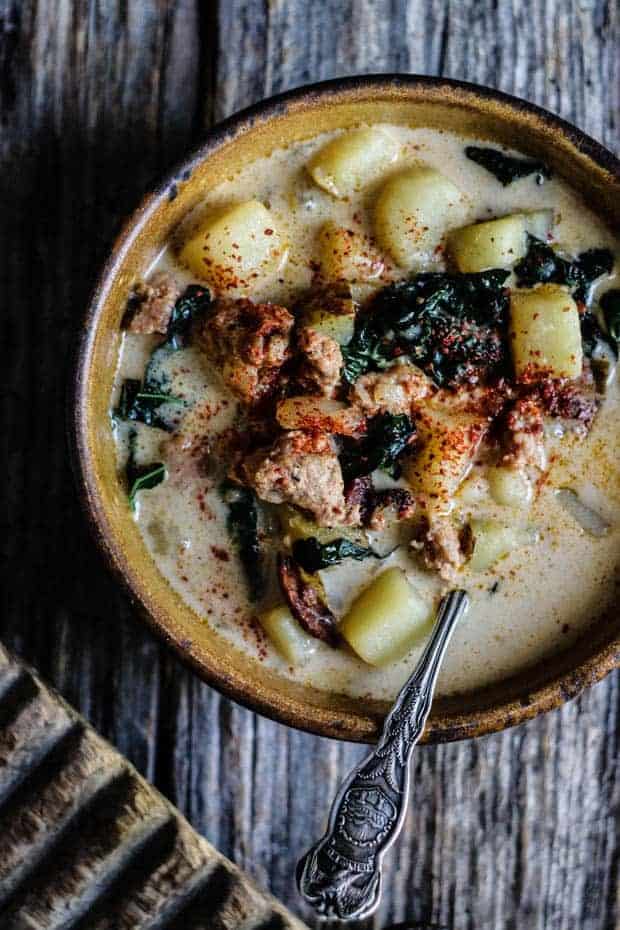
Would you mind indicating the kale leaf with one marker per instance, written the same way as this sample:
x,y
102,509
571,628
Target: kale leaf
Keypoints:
x,y
507,168
243,528
451,325
387,435
592,334
610,305
313,555
368,350
190,307
141,404
542,264
141,477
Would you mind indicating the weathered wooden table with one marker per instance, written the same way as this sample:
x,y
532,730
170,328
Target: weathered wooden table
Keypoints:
x,y
98,97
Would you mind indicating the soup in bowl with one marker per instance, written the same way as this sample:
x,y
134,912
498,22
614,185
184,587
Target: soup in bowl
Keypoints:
x,y
360,350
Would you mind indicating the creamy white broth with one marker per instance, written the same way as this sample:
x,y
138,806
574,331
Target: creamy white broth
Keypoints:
x,y
545,595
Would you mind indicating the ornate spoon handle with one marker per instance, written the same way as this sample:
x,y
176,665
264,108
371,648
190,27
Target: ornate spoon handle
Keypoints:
x,y
341,875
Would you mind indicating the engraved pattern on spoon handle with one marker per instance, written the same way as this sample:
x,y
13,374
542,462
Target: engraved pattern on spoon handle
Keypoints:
x,y
341,875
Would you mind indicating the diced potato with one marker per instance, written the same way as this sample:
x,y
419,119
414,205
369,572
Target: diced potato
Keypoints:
x,y
348,255
296,526
509,487
545,335
319,413
498,243
413,210
494,541
338,326
349,162
448,445
292,642
236,247
386,619
473,490
539,223
494,244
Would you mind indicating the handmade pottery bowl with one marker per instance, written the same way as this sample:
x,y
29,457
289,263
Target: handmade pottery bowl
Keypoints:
x,y
417,101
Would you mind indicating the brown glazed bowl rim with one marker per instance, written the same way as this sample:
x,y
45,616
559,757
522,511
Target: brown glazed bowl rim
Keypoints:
x,y
541,692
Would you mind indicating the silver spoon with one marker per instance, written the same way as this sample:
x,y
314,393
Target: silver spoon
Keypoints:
x,y
340,876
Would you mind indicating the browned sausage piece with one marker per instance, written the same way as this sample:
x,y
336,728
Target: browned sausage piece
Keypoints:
x,y
305,602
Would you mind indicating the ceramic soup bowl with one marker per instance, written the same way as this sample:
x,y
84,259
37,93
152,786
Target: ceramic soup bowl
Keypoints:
x,y
410,100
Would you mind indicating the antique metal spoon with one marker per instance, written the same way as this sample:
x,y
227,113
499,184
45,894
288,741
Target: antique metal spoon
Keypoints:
x,y
341,875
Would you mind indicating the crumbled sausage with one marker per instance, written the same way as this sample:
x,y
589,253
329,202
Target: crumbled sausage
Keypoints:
x,y
395,390
524,434
302,469
321,362
250,343
154,302
443,546
570,400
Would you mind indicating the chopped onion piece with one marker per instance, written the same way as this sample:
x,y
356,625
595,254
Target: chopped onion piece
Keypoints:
x,y
588,519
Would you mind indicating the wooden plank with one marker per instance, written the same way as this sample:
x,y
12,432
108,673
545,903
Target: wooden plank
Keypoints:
x,y
86,842
97,97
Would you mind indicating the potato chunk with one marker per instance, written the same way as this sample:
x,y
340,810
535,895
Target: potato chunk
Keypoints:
x,y
236,247
413,210
494,244
386,619
545,334
539,223
509,487
338,326
348,255
494,541
498,243
294,644
449,443
349,162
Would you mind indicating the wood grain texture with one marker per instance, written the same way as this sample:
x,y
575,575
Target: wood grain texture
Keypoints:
x,y
97,98
86,842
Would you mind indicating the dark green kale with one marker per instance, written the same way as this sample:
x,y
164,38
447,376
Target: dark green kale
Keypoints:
x,y
387,436
451,325
594,340
191,306
610,305
243,528
141,477
141,402
507,168
313,555
542,264
368,349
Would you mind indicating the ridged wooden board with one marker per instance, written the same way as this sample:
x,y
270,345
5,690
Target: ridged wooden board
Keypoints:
x,y
86,842
97,98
